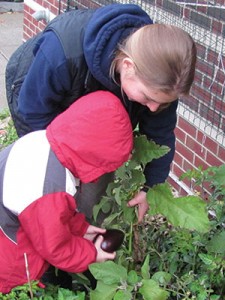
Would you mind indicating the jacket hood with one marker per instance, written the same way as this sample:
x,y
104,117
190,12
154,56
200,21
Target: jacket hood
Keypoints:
x,y
93,136
108,26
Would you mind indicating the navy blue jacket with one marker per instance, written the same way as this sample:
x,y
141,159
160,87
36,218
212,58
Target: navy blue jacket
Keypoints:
x,y
72,57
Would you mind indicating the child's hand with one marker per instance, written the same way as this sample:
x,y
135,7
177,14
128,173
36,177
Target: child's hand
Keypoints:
x,y
92,231
102,255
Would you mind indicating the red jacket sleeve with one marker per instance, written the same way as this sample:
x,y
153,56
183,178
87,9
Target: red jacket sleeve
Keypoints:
x,y
47,223
78,224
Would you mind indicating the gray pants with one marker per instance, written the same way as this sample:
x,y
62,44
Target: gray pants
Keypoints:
x,y
90,194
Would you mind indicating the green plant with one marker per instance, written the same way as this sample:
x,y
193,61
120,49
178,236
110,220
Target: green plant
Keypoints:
x,y
176,253
49,293
182,238
8,133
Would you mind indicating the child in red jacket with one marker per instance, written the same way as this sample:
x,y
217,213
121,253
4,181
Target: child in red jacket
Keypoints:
x,y
40,174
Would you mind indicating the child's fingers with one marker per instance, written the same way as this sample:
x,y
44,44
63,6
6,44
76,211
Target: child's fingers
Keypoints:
x,y
98,242
110,256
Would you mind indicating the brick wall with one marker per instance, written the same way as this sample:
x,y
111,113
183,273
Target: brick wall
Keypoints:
x,y
201,118
32,26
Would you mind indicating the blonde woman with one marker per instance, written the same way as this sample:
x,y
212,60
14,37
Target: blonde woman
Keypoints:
x,y
116,48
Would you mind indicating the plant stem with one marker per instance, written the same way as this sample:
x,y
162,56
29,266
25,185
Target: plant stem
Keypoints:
x,y
130,239
28,275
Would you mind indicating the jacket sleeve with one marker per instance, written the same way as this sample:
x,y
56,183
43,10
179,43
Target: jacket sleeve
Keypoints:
x,y
45,84
159,127
47,223
78,224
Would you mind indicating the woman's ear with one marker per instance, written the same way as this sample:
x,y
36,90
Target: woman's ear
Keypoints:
x,y
128,66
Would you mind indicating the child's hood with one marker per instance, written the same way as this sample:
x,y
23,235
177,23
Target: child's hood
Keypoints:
x,y
93,136
108,26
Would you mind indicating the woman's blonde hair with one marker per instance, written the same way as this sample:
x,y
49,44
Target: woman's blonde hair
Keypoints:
x,y
164,57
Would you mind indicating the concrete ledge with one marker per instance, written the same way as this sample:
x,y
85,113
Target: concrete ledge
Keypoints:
x,y
6,6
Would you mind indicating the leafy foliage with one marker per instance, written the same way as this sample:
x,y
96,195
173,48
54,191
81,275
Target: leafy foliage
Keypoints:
x,y
7,130
185,212
176,253
181,242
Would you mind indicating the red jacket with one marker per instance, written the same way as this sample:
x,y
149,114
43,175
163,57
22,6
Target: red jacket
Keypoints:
x,y
39,174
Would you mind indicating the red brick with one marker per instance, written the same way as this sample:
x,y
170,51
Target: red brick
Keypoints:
x,y
28,33
200,162
180,134
213,160
171,167
178,159
220,75
188,166
207,190
221,2
212,57
199,77
201,51
159,3
54,10
218,103
195,146
28,17
182,193
202,9
202,93
207,142
177,187
221,153
184,151
186,127
173,183
214,87
178,171
216,27
205,68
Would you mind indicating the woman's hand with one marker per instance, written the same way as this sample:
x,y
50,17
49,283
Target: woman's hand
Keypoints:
x,y
102,255
141,201
92,231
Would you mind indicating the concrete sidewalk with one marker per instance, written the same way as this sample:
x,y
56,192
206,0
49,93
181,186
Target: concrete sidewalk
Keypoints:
x,y
11,34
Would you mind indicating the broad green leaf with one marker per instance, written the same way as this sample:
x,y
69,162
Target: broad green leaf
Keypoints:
x,y
133,165
145,268
117,195
129,213
81,296
217,243
137,176
150,290
106,207
103,291
122,295
215,297
132,277
162,277
110,218
121,172
186,212
208,259
65,294
219,175
109,272
110,188
98,207
145,150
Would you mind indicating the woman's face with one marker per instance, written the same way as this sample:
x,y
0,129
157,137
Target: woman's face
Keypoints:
x,y
137,91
